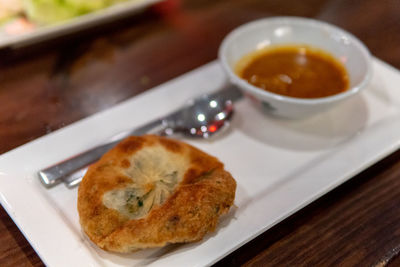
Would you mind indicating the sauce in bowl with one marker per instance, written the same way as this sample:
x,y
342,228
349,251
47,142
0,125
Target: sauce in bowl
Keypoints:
x,y
294,70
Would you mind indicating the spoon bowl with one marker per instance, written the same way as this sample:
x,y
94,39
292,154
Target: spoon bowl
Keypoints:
x,y
204,117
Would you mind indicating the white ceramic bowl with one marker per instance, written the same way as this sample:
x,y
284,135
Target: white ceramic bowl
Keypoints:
x,y
293,30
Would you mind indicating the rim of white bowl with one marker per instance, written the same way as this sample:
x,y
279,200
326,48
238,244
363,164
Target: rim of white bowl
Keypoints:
x,y
286,20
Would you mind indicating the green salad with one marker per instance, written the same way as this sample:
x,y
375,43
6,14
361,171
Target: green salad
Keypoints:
x,y
44,12
53,11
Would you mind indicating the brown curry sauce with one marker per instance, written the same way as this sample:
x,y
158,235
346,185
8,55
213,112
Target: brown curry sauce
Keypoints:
x,y
294,70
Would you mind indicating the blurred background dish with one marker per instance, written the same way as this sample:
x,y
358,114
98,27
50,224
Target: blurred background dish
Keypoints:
x,y
31,21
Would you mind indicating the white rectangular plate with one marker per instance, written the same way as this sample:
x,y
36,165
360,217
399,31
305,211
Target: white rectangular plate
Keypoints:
x,y
42,33
279,165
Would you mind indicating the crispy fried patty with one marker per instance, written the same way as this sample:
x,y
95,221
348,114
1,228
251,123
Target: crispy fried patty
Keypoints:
x,y
149,191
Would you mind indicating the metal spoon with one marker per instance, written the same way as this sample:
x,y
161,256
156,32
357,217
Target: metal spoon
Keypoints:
x,y
202,117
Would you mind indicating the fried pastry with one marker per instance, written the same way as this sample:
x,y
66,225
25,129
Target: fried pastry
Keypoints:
x,y
150,191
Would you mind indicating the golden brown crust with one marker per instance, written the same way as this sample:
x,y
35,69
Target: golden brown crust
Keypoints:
x,y
202,194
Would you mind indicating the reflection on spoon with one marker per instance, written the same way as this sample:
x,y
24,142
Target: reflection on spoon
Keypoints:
x,y
203,117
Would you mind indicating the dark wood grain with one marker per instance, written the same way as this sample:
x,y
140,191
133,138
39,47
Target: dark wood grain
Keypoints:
x,y
47,86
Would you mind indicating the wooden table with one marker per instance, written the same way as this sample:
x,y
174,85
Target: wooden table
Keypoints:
x,y
50,85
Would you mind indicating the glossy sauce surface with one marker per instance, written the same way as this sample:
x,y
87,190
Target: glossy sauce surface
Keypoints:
x,y
294,70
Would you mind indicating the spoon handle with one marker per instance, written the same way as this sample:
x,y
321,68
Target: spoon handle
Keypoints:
x,y
54,174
